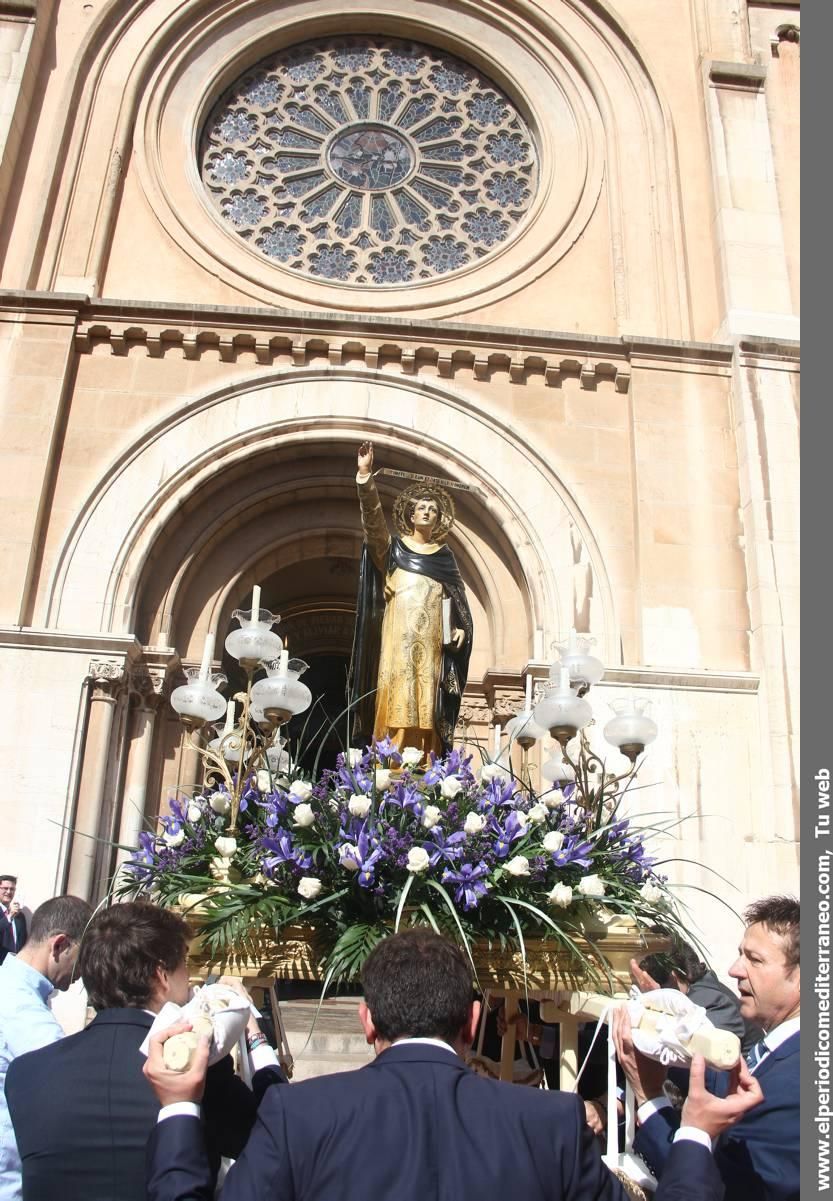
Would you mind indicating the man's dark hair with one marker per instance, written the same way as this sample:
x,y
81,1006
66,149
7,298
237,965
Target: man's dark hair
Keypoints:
x,y
122,950
62,915
417,985
782,915
7,876
681,959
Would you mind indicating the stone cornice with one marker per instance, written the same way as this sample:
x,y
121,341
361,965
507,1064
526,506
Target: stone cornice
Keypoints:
x,y
747,76
293,338
665,678
72,642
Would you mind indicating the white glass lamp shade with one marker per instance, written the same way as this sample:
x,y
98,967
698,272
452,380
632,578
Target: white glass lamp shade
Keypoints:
x,y
631,730
257,715
524,729
198,701
557,770
560,711
585,670
254,642
230,746
278,758
282,695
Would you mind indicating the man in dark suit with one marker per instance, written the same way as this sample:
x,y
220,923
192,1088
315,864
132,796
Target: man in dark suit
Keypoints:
x,y
12,920
758,1160
414,1125
82,1109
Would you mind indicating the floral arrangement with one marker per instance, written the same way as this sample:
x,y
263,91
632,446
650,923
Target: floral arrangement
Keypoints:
x,y
390,837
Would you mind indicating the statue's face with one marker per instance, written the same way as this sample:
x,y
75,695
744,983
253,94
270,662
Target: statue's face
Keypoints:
x,y
425,515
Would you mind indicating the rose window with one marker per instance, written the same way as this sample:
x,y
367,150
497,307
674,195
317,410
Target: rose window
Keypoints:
x,y
368,162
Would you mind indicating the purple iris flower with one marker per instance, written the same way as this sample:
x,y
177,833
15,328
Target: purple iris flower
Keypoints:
x,y
506,834
283,850
439,847
249,795
386,748
178,810
573,851
470,881
369,854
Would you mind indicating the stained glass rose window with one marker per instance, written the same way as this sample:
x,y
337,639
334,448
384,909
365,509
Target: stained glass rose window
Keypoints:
x,y
368,161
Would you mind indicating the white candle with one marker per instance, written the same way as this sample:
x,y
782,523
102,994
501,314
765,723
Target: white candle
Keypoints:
x,y
207,654
284,662
528,702
572,645
496,740
229,726
255,602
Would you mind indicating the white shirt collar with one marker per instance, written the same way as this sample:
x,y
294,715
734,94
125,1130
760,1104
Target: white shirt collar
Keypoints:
x,y
779,1034
425,1042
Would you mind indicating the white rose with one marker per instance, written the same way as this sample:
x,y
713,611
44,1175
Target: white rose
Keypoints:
x,y
553,841
301,790
493,771
418,860
650,893
264,784
174,840
474,823
431,815
220,803
450,787
411,755
349,857
225,846
518,866
382,778
561,895
591,886
193,812
354,757
537,814
304,816
359,804
522,818
553,799
309,887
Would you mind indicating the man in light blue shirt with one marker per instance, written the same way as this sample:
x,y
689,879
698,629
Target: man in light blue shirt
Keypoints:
x,y
45,963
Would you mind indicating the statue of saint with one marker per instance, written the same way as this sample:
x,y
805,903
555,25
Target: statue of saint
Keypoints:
x,y
413,623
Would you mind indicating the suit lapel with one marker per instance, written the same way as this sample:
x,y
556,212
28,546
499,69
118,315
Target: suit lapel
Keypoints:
x,y
790,1046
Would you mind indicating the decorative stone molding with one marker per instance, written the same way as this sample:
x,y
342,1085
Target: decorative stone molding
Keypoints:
x,y
744,76
299,352
474,711
107,676
148,685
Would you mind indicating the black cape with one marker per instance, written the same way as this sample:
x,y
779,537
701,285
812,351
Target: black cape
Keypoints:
x,y
367,640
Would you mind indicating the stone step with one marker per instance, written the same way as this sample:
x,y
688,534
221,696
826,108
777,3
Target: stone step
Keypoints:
x,y
326,1039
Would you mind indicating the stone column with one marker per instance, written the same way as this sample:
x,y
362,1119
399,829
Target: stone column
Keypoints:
x,y
107,677
147,688
755,285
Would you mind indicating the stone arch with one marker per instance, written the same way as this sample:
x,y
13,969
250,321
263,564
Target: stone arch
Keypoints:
x,y
620,125
143,499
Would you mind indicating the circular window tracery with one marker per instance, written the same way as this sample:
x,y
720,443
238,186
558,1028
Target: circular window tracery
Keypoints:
x,y
368,161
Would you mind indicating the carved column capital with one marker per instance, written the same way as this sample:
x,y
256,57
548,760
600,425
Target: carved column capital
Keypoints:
x,y
148,685
474,711
108,676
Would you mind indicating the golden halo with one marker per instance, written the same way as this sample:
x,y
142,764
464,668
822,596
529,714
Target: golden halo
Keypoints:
x,y
443,501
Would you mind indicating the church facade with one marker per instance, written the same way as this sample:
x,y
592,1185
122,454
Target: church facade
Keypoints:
x,y
545,250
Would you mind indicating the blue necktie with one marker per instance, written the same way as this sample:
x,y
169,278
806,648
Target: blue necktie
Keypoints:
x,y
756,1054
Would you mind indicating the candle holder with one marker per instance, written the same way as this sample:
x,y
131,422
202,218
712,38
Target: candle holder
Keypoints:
x,y
241,751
